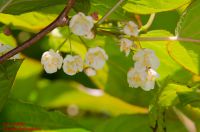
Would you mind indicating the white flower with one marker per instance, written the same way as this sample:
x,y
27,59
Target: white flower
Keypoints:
x,y
131,29
80,24
136,77
126,45
90,35
5,48
52,61
72,64
96,57
146,58
90,71
150,80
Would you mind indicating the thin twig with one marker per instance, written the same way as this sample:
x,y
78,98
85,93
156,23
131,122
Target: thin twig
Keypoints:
x,y
109,12
5,5
61,20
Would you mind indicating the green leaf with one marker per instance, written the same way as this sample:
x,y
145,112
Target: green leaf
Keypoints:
x,y
125,123
4,39
82,6
61,94
192,98
22,6
34,116
29,21
103,6
148,7
169,95
188,58
188,27
65,130
8,71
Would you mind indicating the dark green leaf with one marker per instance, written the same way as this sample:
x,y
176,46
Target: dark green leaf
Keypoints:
x,y
126,123
8,71
192,98
34,116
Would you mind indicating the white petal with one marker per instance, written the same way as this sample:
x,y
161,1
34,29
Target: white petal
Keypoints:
x,y
131,29
51,61
96,57
147,58
90,72
126,45
72,64
148,85
136,78
80,24
90,35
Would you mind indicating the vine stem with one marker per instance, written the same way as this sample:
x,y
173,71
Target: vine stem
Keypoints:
x,y
109,12
149,23
5,5
61,20
172,38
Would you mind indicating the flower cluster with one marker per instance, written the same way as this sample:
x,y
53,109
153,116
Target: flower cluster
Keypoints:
x,y
95,59
130,29
143,73
82,25
5,48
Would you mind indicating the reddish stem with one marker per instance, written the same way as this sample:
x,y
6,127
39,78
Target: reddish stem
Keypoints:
x,y
61,20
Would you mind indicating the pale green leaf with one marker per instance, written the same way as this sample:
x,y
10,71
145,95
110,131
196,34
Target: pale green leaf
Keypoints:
x,y
148,7
188,27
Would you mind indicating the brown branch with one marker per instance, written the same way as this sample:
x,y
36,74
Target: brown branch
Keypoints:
x,y
61,20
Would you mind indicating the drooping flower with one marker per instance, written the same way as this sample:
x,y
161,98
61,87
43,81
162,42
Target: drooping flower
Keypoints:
x,y
96,57
72,64
146,58
150,80
126,45
52,61
131,29
6,48
90,71
145,63
136,77
81,25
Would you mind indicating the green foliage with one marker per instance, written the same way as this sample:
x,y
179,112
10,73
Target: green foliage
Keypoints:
x,y
128,123
103,100
188,26
34,116
191,98
65,130
148,7
8,71
28,21
169,95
